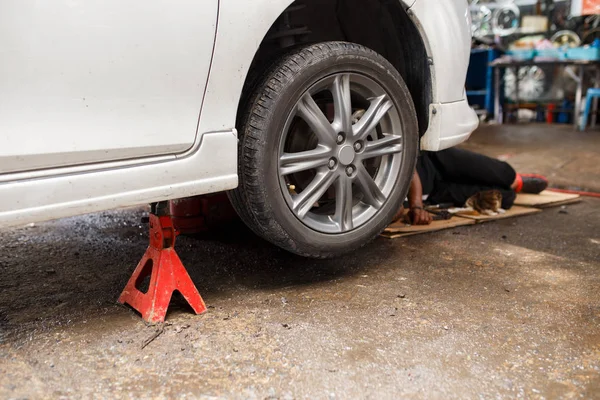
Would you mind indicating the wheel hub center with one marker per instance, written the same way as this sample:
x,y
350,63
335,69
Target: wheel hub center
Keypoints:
x,y
346,155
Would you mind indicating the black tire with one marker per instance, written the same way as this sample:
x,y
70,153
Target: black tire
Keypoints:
x,y
258,199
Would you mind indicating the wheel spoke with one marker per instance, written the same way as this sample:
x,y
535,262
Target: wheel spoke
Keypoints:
x,y
310,112
338,127
342,103
290,163
376,111
303,202
372,194
388,145
343,203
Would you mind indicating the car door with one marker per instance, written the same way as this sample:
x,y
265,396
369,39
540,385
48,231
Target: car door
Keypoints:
x,y
90,81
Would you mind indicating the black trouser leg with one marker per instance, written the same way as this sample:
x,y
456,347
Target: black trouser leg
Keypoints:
x,y
459,174
463,166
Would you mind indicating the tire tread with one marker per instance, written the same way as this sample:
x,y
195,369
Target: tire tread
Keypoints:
x,y
247,199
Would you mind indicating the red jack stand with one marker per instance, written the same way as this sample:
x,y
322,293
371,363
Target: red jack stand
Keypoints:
x,y
166,271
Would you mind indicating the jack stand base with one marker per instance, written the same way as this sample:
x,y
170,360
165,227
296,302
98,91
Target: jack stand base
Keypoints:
x,y
167,274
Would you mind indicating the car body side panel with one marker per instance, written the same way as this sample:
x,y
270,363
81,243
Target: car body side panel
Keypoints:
x,y
85,81
445,26
449,125
446,29
212,168
239,34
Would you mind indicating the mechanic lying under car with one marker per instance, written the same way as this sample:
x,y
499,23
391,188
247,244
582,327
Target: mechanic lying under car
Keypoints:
x,y
458,178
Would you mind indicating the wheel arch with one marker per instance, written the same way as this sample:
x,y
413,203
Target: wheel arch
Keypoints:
x,y
382,25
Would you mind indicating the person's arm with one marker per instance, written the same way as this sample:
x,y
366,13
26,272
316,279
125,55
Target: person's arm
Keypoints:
x,y
418,216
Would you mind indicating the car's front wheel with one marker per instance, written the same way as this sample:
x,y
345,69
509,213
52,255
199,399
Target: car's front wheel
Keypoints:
x,y
328,144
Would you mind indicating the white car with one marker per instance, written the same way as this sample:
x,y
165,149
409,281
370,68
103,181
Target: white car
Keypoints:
x,y
312,111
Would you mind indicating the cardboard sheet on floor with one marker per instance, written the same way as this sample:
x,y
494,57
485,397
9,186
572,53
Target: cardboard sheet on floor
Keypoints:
x,y
515,211
545,199
400,229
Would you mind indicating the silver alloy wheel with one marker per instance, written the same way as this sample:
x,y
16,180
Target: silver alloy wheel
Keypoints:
x,y
341,153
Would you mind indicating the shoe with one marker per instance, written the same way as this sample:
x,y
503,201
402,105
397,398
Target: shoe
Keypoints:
x,y
531,183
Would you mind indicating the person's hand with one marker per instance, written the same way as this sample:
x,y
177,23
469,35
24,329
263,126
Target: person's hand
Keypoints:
x,y
418,216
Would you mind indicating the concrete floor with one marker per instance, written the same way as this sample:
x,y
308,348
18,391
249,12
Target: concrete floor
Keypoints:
x,y
567,157
509,309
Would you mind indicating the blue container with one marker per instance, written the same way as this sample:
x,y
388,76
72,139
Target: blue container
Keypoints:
x,y
522,55
564,117
583,53
550,53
